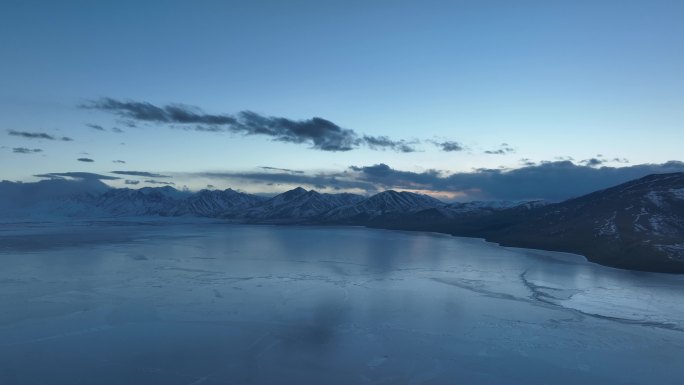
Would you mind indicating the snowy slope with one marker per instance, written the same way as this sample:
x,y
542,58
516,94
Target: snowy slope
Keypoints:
x,y
384,202
144,201
211,203
298,204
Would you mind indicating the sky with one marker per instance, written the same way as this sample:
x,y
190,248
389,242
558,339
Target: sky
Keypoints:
x,y
459,99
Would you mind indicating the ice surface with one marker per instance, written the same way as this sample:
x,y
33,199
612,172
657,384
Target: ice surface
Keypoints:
x,y
149,302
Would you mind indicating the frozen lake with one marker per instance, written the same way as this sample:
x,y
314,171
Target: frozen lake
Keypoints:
x,y
201,303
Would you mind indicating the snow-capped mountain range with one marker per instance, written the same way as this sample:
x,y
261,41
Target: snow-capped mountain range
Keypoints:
x,y
637,225
297,205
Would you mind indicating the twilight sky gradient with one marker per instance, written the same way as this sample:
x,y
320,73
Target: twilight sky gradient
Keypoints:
x,y
408,94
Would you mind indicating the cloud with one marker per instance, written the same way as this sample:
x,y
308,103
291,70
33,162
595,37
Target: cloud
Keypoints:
x,y
152,181
132,182
88,160
553,181
502,150
600,159
282,169
31,135
75,175
118,161
100,128
172,113
320,133
384,142
547,180
37,135
334,180
449,145
141,173
95,126
564,158
384,177
24,150
593,162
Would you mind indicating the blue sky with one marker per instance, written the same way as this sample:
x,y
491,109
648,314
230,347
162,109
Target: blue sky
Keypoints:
x,y
540,81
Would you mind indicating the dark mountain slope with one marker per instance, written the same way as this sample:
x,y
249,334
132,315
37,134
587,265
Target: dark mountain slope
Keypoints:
x,y
637,225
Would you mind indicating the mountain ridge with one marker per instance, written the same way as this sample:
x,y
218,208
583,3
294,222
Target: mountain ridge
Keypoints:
x,y
636,225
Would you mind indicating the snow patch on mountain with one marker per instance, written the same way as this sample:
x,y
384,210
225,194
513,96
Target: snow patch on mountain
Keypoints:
x,y
674,251
384,202
609,228
211,203
655,198
298,204
677,193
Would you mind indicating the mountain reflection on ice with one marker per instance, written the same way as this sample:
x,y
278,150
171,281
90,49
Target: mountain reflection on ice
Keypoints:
x,y
203,303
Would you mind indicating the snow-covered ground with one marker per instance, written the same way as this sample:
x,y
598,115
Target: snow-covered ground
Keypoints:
x,y
200,302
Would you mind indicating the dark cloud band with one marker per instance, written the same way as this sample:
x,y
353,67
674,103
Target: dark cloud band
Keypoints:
x,y
24,150
335,181
141,174
37,135
96,127
384,142
281,169
320,133
552,181
152,181
76,175
502,150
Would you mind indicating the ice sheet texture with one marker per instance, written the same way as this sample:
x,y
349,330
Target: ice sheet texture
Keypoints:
x,y
208,303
